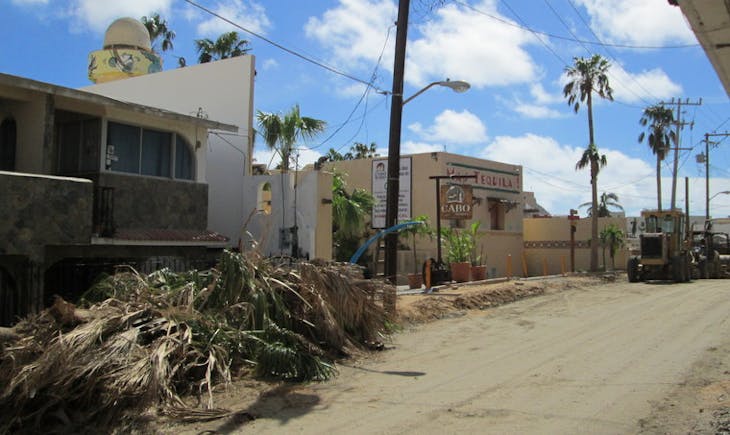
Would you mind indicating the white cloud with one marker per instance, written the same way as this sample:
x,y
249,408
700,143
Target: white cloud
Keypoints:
x,y
535,111
645,22
459,43
249,15
549,171
269,64
270,158
354,32
98,15
410,147
453,127
544,97
650,85
456,43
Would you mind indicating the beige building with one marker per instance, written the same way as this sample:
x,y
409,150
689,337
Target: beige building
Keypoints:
x,y
497,202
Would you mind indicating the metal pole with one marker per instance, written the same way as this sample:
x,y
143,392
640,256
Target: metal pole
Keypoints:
x,y
396,112
707,177
438,220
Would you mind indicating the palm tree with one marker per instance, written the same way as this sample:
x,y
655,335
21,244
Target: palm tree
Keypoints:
x,y
227,45
157,28
658,120
607,200
589,76
348,216
281,132
613,237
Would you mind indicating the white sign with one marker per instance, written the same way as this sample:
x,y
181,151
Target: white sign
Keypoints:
x,y
380,188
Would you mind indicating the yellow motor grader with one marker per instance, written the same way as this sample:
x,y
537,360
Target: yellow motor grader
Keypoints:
x,y
665,253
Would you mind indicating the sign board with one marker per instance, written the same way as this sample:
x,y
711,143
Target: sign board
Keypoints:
x,y
487,178
380,189
456,202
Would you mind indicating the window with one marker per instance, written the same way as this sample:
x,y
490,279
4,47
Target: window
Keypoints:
x,y
7,144
496,214
145,151
184,159
78,142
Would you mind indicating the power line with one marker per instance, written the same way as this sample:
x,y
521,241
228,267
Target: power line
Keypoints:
x,y
574,39
281,47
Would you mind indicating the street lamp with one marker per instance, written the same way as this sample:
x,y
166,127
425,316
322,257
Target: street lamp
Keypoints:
x,y
724,192
393,182
457,86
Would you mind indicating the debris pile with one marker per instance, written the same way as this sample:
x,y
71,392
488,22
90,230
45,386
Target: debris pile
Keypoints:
x,y
143,341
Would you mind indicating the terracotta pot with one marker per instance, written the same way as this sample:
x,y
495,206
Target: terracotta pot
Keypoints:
x,y
415,280
460,271
478,273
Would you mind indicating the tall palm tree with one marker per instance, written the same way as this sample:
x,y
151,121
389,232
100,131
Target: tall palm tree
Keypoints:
x,y
282,132
227,45
606,201
157,28
658,120
589,75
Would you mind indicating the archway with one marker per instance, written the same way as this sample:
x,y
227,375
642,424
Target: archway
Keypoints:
x,y
8,138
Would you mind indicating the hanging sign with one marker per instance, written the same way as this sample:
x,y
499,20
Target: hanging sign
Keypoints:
x,y
456,202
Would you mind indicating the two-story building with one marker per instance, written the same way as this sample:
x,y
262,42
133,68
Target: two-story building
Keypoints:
x,y
88,182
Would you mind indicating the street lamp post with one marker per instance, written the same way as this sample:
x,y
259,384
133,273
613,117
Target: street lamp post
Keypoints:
x,y
724,192
393,182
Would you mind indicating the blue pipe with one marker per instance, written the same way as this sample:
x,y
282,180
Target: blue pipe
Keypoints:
x,y
361,250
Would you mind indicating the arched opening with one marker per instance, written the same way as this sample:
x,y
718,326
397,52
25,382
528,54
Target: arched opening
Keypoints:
x,y
263,198
8,137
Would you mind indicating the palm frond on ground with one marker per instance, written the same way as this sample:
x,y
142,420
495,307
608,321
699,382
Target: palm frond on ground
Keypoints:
x,y
149,340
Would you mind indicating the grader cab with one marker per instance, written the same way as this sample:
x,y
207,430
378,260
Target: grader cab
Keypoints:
x,y
664,251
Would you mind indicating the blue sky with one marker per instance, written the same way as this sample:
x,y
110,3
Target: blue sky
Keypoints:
x,y
513,52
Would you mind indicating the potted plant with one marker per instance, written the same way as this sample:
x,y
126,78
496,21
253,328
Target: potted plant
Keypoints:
x,y
415,279
478,268
458,248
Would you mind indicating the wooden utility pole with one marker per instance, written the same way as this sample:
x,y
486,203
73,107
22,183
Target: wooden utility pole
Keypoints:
x,y
679,125
706,160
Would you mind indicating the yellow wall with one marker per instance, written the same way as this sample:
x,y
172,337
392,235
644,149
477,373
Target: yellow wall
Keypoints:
x,y
547,244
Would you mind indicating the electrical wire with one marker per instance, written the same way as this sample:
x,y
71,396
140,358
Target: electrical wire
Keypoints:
x,y
565,38
281,47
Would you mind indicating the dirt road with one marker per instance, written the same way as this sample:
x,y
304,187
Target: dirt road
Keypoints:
x,y
618,358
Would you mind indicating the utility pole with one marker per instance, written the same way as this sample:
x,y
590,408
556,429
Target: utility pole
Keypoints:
x,y
705,158
679,125
396,112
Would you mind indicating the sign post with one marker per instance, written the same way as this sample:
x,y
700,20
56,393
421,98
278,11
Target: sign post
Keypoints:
x,y
438,178
573,218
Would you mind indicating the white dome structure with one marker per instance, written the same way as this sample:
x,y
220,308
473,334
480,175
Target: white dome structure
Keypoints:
x,y
127,32
127,53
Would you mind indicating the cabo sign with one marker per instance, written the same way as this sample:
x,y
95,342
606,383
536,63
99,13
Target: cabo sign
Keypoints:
x,y
456,202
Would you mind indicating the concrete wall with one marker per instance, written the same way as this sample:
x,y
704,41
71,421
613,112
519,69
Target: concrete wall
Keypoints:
x,y
221,91
313,217
547,244
29,116
40,210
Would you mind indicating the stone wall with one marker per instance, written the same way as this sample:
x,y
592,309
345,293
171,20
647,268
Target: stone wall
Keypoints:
x,y
36,211
146,203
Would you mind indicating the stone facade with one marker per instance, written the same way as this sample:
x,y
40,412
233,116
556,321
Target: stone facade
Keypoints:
x,y
145,202
36,211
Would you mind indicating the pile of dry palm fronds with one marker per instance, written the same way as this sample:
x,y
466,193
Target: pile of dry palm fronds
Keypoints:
x,y
147,340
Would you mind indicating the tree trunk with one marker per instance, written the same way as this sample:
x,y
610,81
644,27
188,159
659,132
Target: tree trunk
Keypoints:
x,y
659,182
594,188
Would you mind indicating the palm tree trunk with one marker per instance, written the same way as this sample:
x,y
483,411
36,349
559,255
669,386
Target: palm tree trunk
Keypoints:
x,y
594,190
659,182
